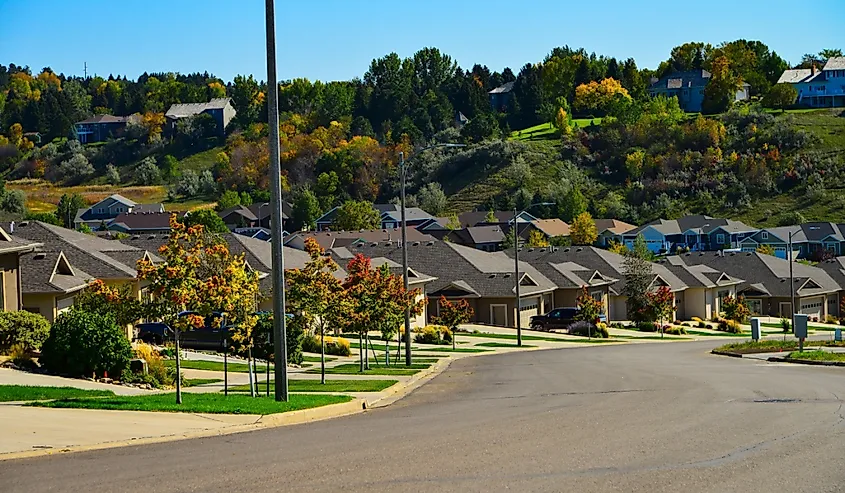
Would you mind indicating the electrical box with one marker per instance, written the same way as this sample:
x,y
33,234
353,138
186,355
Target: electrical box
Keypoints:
x,y
837,335
755,329
800,329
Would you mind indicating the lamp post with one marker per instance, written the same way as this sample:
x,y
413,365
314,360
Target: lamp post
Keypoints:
x,y
516,267
402,174
280,349
791,283
259,213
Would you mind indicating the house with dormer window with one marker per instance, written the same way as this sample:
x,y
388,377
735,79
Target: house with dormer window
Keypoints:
x,y
816,88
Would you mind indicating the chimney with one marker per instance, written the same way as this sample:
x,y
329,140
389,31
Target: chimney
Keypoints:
x,y
813,69
12,227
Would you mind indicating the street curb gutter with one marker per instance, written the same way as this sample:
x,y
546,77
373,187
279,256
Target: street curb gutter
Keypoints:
x,y
355,406
776,359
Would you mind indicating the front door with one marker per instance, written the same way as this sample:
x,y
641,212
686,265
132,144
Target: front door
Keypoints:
x,y
785,309
499,315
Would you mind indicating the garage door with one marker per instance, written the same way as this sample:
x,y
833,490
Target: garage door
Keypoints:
x,y
812,307
527,309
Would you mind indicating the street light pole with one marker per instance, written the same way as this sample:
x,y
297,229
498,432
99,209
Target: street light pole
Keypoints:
x,y
279,332
515,230
402,174
791,284
259,213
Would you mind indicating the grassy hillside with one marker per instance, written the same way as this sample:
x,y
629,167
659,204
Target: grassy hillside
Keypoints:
x,y
547,131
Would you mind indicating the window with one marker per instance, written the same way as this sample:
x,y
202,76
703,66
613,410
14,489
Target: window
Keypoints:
x,y
720,238
765,235
755,306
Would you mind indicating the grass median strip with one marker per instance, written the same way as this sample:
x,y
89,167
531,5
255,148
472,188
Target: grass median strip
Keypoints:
x,y
457,350
192,364
329,386
501,344
193,382
817,355
748,347
212,403
316,359
12,393
375,369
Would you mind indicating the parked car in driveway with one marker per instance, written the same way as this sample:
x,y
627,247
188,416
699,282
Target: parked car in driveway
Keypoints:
x,y
210,336
557,319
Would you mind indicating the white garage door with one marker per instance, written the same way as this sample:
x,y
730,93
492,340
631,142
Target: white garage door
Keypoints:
x,y
527,309
812,307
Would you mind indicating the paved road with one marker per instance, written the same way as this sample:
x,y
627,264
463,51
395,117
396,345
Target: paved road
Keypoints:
x,y
649,418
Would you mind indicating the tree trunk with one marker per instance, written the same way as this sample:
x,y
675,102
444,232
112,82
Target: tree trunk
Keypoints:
x,y
178,369
249,361
361,350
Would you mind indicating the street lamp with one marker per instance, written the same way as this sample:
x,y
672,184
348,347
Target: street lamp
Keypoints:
x,y
402,173
792,281
280,338
259,213
516,266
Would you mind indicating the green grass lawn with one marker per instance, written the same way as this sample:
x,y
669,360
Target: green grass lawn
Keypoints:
x,y
214,365
457,350
316,359
212,403
329,386
758,346
809,326
378,347
547,131
502,344
817,355
708,334
375,369
11,393
193,382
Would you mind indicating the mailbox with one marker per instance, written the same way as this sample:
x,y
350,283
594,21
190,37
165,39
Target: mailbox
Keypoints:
x,y
755,329
800,329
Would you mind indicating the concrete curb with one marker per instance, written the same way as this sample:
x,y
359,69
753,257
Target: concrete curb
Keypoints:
x,y
776,359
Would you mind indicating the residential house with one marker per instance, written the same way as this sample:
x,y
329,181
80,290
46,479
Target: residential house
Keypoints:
x,y
611,230
390,217
141,223
706,287
809,240
220,109
488,238
238,216
823,88
835,268
485,280
334,239
100,128
109,261
766,287
263,211
500,96
109,208
262,234
694,232
49,283
551,228
688,87
12,250
416,280
609,266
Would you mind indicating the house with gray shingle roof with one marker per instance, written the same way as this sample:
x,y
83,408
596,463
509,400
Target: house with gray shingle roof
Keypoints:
x,y
109,208
765,284
706,287
688,87
486,280
12,250
49,283
814,240
816,88
693,232
608,265
220,109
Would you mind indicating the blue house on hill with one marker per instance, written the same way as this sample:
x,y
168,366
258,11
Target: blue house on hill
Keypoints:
x,y
688,87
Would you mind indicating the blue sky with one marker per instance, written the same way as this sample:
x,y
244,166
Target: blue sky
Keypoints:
x,y
337,39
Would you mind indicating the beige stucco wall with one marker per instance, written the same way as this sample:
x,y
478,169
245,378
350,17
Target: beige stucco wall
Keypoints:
x,y
45,304
695,304
11,293
618,308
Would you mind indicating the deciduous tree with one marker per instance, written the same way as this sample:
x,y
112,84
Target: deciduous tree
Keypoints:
x,y
356,214
453,313
583,230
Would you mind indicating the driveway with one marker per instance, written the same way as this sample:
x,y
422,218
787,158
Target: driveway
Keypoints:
x,y
646,417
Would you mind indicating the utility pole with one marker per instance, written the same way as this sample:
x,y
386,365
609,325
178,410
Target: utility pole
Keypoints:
x,y
516,278
791,285
85,69
276,239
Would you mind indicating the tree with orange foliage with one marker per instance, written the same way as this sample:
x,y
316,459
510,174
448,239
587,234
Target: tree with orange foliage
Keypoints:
x,y
198,274
118,301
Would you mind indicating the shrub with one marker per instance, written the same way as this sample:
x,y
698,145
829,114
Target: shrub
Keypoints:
x,y
601,330
25,328
433,334
21,357
647,327
675,330
730,326
147,172
335,346
785,325
702,324
585,329
831,319
696,319
85,344
158,374
735,309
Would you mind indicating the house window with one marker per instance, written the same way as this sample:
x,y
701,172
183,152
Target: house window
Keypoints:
x,y
755,306
765,235
720,239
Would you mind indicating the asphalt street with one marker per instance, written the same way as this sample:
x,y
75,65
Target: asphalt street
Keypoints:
x,y
647,417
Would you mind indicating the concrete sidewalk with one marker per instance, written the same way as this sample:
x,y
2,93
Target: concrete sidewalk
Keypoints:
x,y
14,377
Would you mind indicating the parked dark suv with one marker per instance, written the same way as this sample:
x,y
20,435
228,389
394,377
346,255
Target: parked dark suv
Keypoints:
x,y
557,319
209,336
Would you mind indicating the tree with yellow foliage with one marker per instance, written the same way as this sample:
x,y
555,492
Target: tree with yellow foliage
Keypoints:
x,y
153,124
583,230
537,239
597,96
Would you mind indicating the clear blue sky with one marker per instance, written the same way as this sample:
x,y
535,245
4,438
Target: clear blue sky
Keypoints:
x,y
337,39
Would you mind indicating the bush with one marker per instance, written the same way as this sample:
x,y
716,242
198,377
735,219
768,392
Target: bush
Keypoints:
x,y
587,329
335,346
786,325
86,344
696,319
675,330
433,334
21,357
730,326
647,327
702,324
158,374
147,172
25,328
